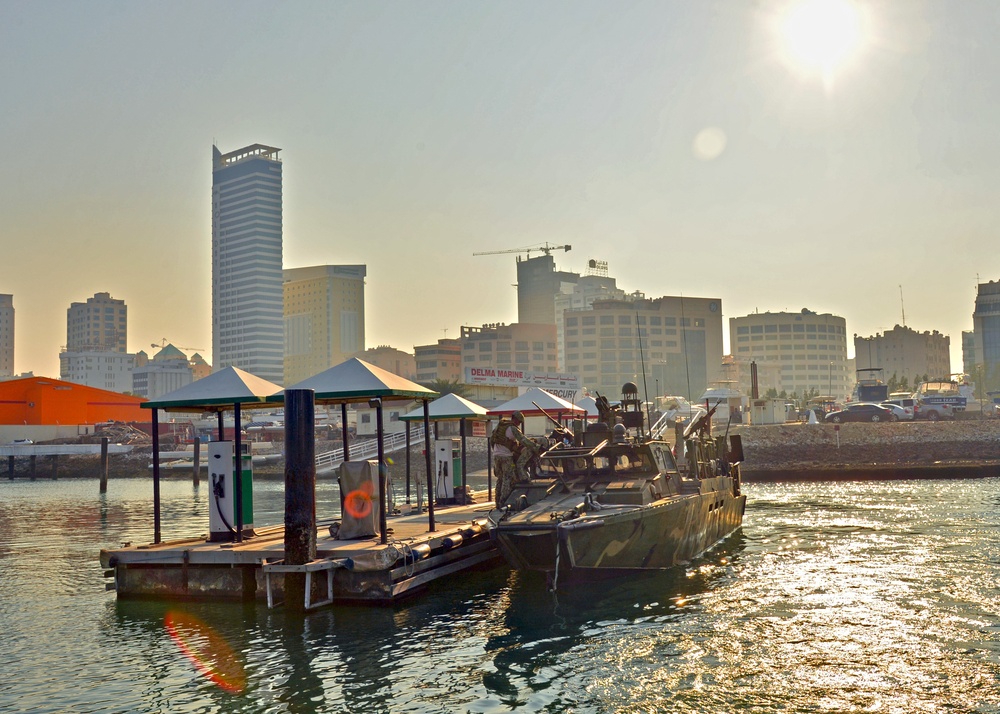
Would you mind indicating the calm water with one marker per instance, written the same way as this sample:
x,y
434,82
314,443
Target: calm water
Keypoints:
x,y
878,597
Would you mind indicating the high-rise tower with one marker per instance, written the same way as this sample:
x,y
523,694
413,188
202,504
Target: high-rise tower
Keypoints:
x,y
6,335
247,308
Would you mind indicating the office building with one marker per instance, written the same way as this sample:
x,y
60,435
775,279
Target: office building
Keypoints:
x,y
667,345
809,348
6,336
595,284
98,325
538,284
247,295
168,370
439,362
904,352
390,359
526,347
324,308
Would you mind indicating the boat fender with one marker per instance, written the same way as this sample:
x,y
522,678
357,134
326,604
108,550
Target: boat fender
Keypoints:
x,y
452,541
417,552
472,531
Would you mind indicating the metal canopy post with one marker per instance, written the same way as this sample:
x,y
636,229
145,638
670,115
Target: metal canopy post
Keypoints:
x,y
344,432
407,461
238,482
381,473
156,476
427,464
461,430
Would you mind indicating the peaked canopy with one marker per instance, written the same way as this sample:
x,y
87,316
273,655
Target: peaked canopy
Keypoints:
x,y
216,392
449,407
357,381
525,404
590,405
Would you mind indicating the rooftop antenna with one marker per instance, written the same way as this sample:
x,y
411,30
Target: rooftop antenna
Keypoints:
x,y
901,307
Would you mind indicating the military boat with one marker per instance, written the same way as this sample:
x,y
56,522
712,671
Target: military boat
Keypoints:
x,y
609,499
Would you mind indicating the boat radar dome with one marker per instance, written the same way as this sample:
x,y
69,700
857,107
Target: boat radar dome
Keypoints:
x,y
630,388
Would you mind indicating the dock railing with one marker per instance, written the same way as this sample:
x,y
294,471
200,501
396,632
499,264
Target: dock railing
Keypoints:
x,y
329,461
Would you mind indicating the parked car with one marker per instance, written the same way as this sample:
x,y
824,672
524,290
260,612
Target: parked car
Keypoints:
x,y
901,411
861,411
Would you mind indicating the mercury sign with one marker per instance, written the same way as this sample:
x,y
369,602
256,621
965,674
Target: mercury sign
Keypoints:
x,y
566,386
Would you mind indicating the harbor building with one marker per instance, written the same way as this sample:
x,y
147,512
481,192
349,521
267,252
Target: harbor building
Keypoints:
x,y
528,347
667,345
595,284
168,370
439,362
324,314
904,352
96,335
986,334
810,349
538,284
247,296
390,359
6,336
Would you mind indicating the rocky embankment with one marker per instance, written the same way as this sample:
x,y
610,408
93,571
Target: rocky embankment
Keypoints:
x,y
900,449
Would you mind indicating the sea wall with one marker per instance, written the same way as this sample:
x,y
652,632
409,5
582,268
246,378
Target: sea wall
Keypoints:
x,y
903,446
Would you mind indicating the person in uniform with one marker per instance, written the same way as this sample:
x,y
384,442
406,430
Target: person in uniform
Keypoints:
x,y
512,451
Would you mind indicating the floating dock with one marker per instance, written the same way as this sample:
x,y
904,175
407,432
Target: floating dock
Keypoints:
x,y
344,571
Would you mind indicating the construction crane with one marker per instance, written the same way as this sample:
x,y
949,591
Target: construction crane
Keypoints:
x,y
544,248
163,343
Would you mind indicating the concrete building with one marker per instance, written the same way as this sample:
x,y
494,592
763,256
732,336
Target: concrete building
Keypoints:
x,y
529,347
986,334
904,352
98,325
669,344
96,337
440,361
538,284
168,370
969,356
810,348
6,336
391,360
247,297
324,318
590,287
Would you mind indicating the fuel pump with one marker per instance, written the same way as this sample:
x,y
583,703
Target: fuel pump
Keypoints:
x,y
222,499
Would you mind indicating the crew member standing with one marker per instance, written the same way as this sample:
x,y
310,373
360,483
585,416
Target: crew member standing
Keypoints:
x,y
511,452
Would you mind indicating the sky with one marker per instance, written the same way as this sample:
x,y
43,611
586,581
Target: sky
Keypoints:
x,y
705,149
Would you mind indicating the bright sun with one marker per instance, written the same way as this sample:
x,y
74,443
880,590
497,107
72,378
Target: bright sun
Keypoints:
x,y
820,35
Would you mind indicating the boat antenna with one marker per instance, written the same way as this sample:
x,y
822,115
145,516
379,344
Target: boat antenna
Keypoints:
x,y
642,363
684,342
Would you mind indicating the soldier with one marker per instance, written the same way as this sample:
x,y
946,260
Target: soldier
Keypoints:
x,y
511,452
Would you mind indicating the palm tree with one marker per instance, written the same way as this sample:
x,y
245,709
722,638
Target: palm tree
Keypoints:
x,y
444,386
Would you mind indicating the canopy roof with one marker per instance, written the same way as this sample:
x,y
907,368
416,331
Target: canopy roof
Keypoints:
x,y
217,392
357,381
589,404
525,404
449,407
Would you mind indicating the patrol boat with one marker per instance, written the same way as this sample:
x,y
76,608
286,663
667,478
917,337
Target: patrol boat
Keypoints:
x,y
609,499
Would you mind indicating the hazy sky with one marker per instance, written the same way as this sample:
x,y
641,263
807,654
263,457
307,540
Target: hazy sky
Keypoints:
x,y
679,141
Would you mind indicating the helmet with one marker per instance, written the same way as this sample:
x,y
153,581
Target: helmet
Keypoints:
x,y
517,417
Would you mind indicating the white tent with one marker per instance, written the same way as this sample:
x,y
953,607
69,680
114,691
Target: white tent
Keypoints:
x,y
538,402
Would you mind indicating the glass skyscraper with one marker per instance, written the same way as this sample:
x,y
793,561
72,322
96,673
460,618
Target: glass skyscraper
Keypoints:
x,y
247,307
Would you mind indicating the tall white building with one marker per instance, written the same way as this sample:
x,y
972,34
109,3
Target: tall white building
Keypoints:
x,y
247,302
6,335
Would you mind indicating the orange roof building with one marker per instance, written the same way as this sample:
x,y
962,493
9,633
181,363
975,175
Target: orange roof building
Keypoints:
x,y
46,401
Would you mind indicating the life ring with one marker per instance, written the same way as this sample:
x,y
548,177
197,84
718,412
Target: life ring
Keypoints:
x,y
358,503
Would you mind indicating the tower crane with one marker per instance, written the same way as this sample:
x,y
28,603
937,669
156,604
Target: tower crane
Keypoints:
x,y
544,248
163,343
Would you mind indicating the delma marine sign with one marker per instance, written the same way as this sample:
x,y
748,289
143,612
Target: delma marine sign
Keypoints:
x,y
565,386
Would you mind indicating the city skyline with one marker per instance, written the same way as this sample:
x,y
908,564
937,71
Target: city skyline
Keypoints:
x,y
677,141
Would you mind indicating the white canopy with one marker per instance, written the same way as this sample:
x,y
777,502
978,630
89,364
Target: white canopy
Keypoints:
x,y
534,401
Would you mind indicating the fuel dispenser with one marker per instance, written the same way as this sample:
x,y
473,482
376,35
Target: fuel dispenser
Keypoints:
x,y
222,499
448,467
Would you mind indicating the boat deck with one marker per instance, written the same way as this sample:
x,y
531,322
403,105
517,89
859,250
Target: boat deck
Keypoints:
x,y
360,570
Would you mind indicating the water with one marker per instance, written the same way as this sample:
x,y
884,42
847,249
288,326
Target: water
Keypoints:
x,y
837,597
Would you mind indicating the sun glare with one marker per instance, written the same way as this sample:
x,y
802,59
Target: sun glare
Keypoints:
x,y
820,35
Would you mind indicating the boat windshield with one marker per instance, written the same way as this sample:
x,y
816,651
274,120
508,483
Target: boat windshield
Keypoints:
x,y
629,462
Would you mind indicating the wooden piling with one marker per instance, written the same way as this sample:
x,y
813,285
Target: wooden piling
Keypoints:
x,y
10,467
54,463
300,491
104,464
31,466
196,460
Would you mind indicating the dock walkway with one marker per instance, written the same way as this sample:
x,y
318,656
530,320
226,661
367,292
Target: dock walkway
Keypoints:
x,y
362,570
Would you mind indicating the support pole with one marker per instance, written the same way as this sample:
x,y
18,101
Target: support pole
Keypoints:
x,y
238,479
300,491
31,466
104,464
381,474
344,432
10,467
54,459
196,462
222,426
156,476
427,464
465,492
407,463
489,462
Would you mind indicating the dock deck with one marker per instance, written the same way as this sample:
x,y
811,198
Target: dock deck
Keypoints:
x,y
361,570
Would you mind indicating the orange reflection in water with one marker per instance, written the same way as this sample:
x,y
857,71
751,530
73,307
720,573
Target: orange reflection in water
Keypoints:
x,y
207,649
